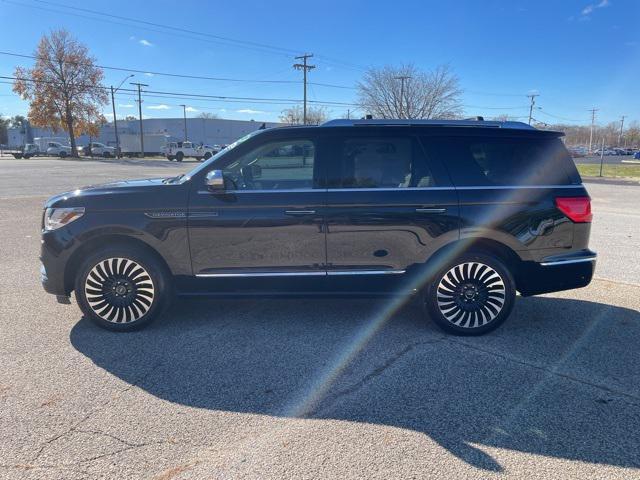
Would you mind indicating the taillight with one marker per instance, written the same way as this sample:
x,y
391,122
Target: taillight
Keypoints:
x,y
578,209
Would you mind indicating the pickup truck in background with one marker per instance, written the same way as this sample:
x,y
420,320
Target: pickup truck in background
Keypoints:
x,y
181,150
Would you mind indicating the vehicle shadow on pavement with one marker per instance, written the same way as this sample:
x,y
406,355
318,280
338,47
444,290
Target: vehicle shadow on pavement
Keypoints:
x,y
559,379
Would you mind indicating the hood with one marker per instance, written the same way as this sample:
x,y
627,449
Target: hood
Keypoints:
x,y
102,195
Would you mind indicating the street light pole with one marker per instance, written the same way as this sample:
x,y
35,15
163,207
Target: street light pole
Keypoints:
x,y
115,120
184,112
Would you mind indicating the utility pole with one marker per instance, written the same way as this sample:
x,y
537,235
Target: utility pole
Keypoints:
x,y
533,102
593,121
140,85
305,68
184,111
621,127
402,79
115,120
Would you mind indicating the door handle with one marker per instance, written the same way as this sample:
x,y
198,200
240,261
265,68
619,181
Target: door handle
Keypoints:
x,y
431,210
300,212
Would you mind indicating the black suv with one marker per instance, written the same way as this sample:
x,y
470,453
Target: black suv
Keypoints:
x,y
459,214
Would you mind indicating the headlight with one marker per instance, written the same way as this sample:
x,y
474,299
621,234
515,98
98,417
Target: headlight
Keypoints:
x,y
59,217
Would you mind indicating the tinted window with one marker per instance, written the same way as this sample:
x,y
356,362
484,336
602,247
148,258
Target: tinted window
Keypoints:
x,y
279,165
380,162
502,161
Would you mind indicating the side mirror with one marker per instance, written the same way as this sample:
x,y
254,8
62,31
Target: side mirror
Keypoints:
x,y
215,180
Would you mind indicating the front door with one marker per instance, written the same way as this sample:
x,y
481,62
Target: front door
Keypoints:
x,y
388,207
269,219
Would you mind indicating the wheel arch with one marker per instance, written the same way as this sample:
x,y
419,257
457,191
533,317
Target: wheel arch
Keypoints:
x,y
74,262
511,259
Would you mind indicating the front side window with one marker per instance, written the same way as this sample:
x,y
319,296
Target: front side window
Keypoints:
x,y
281,165
379,162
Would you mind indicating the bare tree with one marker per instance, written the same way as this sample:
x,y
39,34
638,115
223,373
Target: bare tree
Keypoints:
x,y
294,115
406,92
207,115
64,87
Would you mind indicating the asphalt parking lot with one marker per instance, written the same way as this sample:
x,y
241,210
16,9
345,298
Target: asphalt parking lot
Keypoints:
x,y
314,388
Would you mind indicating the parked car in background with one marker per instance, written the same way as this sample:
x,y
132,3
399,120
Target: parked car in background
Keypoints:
x,y
97,149
606,151
637,155
435,210
55,149
578,152
180,150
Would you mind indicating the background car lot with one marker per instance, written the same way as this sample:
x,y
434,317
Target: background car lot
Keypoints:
x,y
313,388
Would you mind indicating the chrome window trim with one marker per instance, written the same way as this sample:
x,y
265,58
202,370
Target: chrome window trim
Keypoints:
x,y
387,189
568,261
322,273
512,187
395,189
290,190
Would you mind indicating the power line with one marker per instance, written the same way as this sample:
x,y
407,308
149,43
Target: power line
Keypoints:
x,y
179,75
173,30
183,95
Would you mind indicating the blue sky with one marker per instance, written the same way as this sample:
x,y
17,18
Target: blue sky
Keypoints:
x,y
576,54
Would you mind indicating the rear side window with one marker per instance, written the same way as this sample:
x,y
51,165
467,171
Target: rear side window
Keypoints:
x,y
380,162
503,161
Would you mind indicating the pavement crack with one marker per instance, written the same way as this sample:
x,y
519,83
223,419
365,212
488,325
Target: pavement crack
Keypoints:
x,y
331,400
74,427
551,371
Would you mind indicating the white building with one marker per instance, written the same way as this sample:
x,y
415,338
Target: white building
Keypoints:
x,y
210,131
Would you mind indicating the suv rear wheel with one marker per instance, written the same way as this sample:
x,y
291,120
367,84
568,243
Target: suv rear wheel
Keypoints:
x,y
179,156
122,288
472,295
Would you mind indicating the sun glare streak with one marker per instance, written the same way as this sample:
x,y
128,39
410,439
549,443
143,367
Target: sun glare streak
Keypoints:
x,y
491,216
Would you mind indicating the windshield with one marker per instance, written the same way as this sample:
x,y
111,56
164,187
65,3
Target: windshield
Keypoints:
x,y
221,153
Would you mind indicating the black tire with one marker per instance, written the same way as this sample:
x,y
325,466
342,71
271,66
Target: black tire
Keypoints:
x,y
63,154
171,158
106,154
122,288
207,155
471,295
179,156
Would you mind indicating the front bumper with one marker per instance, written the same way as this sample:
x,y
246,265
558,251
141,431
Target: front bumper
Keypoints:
x,y
557,273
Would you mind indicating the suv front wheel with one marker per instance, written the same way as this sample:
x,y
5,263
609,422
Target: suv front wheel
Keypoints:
x,y
121,288
472,295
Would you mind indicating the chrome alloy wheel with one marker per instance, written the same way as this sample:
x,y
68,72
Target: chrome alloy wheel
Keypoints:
x,y
471,295
119,290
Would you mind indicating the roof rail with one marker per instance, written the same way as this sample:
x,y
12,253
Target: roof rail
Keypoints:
x,y
343,122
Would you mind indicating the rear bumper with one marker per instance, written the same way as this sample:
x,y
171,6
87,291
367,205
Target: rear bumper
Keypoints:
x,y
556,273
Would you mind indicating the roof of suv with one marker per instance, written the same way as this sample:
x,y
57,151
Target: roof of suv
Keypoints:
x,y
432,123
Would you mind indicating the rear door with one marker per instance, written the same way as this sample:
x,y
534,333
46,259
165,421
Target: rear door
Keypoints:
x,y
507,183
389,207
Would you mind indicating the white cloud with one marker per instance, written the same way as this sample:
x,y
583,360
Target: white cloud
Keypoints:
x,y
249,111
162,106
125,105
191,109
145,42
147,74
591,7
132,37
